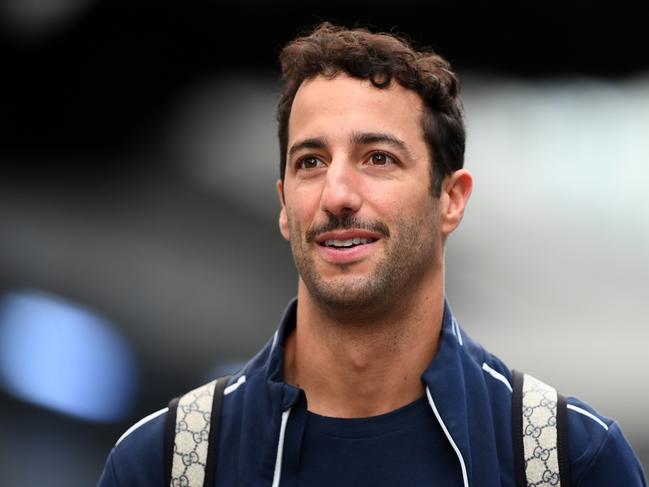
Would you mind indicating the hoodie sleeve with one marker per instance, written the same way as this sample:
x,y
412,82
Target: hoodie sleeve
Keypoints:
x,y
615,463
108,477
137,458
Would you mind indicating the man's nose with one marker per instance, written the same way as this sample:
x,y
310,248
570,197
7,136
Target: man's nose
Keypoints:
x,y
341,191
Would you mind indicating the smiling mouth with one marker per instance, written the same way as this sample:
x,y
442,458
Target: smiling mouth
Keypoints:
x,y
347,244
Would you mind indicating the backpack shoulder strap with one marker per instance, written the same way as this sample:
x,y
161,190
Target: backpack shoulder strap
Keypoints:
x,y
539,431
192,436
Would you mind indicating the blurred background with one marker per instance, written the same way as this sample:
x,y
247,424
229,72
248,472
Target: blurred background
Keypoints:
x,y
139,251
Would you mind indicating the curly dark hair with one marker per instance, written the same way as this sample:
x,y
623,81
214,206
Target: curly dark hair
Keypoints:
x,y
379,57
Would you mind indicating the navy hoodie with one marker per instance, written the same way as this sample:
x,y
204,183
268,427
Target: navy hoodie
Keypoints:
x,y
468,389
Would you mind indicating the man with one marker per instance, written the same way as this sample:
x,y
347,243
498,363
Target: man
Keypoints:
x,y
369,379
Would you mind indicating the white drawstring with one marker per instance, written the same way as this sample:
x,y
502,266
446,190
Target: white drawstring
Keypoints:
x,y
280,449
450,438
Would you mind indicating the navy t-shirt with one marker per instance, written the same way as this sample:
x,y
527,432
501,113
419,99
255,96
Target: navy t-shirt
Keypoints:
x,y
404,447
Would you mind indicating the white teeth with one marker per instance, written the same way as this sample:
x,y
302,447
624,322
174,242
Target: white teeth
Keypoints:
x,y
348,243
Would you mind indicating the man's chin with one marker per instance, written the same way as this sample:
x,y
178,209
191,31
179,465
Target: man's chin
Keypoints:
x,y
346,295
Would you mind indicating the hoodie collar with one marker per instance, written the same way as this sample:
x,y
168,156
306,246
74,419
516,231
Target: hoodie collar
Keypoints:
x,y
448,390
275,364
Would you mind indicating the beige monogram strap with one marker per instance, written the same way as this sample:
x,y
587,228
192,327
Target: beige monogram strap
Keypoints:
x,y
192,434
539,428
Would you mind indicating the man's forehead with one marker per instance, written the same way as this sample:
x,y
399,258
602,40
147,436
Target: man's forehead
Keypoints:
x,y
349,106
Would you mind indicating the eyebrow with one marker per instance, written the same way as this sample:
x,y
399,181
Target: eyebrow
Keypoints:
x,y
313,143
357,138
367,138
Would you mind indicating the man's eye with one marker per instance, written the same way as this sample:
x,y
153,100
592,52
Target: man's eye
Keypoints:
x,y
381,159
308,163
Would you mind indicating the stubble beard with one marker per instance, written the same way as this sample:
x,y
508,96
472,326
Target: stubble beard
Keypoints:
x,y
408,255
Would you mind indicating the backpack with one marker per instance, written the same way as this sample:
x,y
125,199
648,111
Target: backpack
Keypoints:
x,y
538,428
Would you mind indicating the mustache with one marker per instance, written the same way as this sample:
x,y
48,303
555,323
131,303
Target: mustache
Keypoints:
x,y
345,222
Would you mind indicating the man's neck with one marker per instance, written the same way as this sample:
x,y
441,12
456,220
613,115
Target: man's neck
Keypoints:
x,y
361,369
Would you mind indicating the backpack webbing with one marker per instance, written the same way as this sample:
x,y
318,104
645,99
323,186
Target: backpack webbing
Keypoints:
x,y
191,436
539,434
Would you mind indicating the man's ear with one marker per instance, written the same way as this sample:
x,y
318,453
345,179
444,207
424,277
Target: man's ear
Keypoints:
x,y
283,219
456,191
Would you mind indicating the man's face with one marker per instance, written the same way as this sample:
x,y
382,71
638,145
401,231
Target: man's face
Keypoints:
x,y
357,209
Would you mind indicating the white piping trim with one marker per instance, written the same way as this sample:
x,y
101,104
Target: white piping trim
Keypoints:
x,y
280,449
272,347
465,477
235,386
146,419
456,331
590,415
497,375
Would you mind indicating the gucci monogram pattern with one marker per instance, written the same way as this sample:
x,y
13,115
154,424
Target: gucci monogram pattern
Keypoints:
x,y
192,433
540,433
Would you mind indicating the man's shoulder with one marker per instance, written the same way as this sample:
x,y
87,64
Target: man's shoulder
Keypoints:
x,y
600,454
149,428
598,450
137,457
